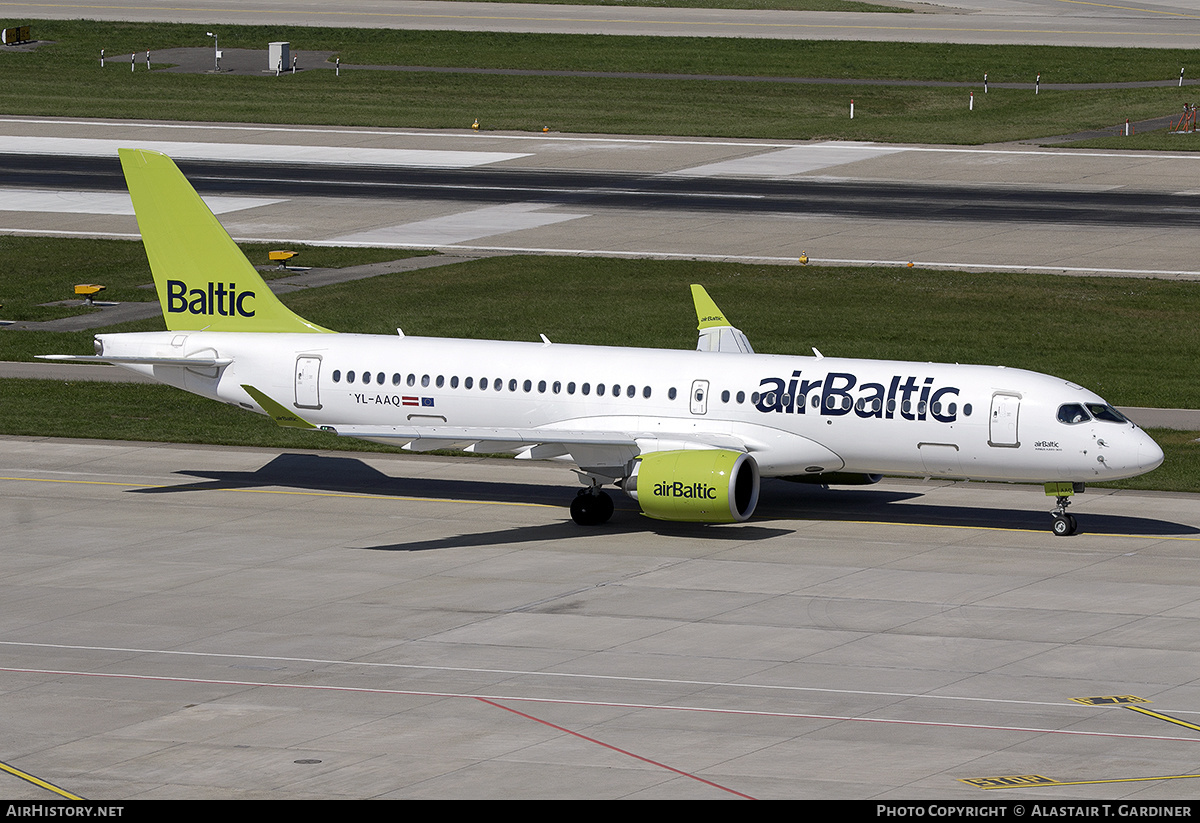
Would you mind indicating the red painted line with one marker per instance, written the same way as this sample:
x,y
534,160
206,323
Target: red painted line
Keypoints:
x,y
615,748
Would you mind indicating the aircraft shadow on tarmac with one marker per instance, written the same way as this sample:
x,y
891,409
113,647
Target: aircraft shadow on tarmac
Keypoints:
x,y
780,502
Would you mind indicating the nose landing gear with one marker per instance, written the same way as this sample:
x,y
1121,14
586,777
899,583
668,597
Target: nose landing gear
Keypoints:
x,y
1064,524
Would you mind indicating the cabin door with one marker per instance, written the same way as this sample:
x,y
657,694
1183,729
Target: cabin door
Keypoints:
x,y
1002,429
308,369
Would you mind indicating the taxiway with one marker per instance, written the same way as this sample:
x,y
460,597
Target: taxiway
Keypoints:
x,y
200,622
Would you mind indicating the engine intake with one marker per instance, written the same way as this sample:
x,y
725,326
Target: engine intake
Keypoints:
x,y
695,485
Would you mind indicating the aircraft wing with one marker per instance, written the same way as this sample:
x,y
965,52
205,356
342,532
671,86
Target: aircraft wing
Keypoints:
x,y
592,450
117,360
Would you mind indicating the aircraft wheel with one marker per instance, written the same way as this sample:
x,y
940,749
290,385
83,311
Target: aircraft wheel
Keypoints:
x,y
591,509
1064,525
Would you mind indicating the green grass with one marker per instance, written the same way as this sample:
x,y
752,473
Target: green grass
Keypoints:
x,y
49,269
1045,323
63,79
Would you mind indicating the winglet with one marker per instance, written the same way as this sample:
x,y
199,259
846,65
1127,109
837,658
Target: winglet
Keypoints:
x,y
203,279
716,333
285,418
708,315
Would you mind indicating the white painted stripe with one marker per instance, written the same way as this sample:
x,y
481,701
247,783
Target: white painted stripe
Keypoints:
x,y
96,202
256,153
1081,154
1186,274
458,228
794,160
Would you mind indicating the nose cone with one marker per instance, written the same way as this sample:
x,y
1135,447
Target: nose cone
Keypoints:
x,y
1149,453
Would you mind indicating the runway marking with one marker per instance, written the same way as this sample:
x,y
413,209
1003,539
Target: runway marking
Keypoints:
x,y
1109,700
662,255
600,703
641,23
37,781
614,748
535,674
475,137
1166,717
1028,781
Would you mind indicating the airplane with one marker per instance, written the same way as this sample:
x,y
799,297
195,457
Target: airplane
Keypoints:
x,y
688,435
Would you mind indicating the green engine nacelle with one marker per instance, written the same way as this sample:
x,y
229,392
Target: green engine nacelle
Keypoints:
x,y
695,485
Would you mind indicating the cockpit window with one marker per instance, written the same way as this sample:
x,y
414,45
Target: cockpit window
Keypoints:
x,y
1072,413
1106,413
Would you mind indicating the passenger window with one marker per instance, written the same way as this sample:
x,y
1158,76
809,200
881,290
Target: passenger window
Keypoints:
x,y
441,381
541,387
512,385
366,377
337,376
498,384
425,381
646,392
671,393
412,380
600,389
453,382
570,388
725,396
586,388
395,379
527,385
469,383
379,378
557,387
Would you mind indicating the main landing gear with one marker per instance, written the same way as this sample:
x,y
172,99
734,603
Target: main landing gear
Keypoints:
x,y
1064,524
591,507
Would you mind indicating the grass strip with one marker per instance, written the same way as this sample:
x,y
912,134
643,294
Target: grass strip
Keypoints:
x,y
1142,354
63,78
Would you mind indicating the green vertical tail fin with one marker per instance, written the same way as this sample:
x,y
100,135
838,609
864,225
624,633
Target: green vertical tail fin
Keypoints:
x,y
204,281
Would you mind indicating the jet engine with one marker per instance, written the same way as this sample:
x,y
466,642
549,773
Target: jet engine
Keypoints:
x,y
695,485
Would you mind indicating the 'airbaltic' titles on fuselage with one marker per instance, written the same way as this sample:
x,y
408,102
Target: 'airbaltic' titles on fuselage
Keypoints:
x,y
219,300
839,393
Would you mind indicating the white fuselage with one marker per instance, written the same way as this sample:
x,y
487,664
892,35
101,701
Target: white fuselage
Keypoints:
x,y
795,415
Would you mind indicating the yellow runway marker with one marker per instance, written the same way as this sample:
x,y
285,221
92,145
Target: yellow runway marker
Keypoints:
x,y
1166,717
38,782
1000,782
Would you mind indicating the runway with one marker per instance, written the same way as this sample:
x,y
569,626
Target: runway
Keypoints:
x,y
237,623
992,208
1048,22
